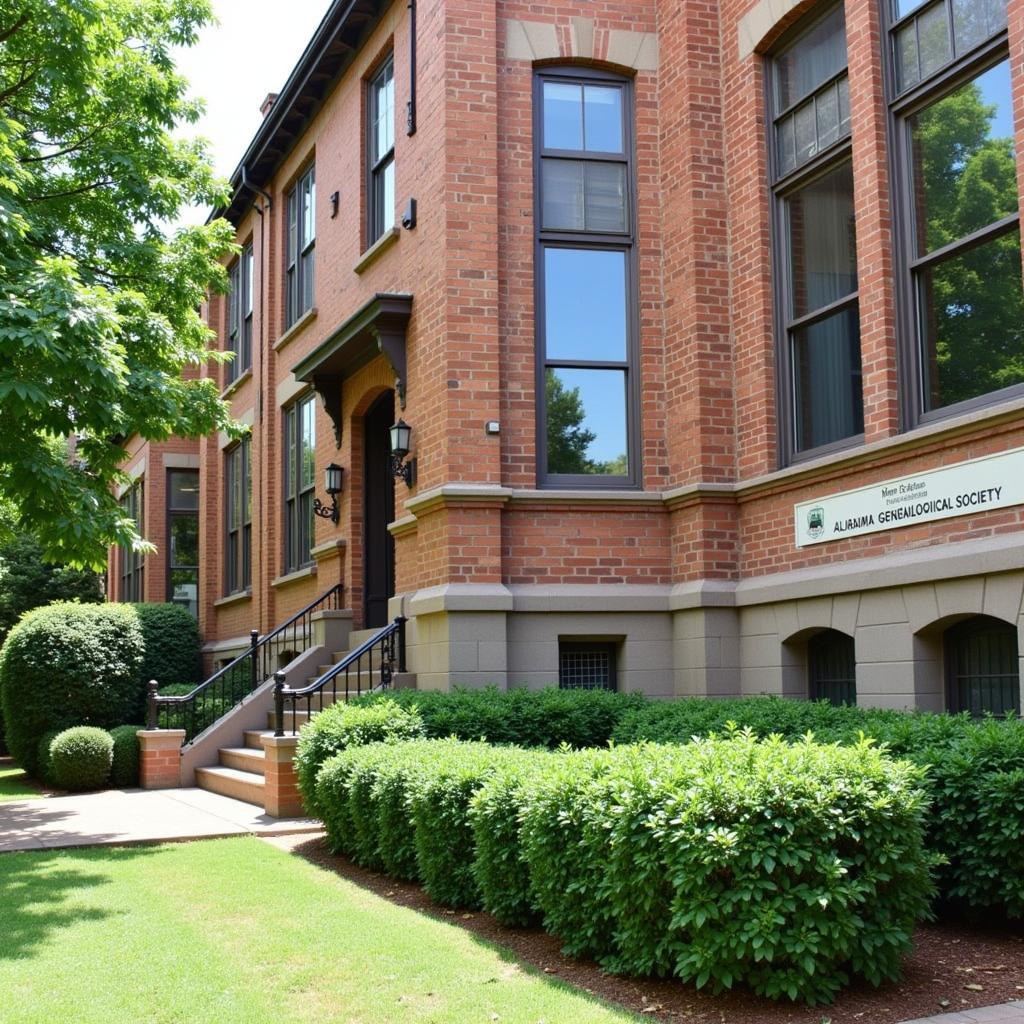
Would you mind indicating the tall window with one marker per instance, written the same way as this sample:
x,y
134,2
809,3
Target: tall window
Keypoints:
x,y
831,668
821,396
959,204
299,474
982,666
301,247
240,314
585,272
380,152
132,562
238,484
183,534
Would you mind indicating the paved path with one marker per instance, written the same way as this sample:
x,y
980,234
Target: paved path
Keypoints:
x,y
1004,1013
120,816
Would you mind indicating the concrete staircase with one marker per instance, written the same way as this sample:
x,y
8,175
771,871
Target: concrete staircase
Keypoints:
x,y
240,771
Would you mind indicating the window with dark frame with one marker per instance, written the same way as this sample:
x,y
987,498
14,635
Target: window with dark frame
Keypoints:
x,y
240,314
132,562
380,152
183,539
588,408
961,291
831,668
238,485
982,667
586,665
301,247
299,482
818,323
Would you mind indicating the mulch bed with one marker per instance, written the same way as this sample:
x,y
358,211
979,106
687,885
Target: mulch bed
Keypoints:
x,y
953,966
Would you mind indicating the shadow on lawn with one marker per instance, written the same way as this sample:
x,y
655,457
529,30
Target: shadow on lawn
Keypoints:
x,y
37,894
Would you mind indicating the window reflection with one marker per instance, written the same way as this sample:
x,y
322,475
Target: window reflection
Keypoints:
x,y
586,421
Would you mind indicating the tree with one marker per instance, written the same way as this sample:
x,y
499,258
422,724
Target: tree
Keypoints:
x,y
568,439
100,333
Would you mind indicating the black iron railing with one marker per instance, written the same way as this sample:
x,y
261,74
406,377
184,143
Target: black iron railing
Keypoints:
x,y
213,698
370,666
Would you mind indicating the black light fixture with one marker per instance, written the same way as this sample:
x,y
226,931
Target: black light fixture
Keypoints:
x,y
401,440
332,485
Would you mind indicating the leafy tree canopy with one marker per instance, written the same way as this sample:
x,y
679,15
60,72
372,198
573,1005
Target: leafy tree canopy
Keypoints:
x,y
99,301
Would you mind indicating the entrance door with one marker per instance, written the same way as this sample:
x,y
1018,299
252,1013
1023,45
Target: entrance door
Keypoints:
x,y
379,511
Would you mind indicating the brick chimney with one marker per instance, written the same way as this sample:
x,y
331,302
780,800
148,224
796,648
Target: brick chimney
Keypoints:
x,y
268,104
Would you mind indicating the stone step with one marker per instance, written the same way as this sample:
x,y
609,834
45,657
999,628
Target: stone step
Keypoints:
x,y
254,738
245,759
245,786
358,637
366,680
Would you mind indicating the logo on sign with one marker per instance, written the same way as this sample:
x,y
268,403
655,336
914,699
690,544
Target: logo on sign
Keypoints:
x,y
816,522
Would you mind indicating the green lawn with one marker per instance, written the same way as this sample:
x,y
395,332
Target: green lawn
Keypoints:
x,y
14,783
236,931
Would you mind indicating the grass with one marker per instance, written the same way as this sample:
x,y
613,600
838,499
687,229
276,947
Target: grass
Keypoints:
x,y
235,930
14,783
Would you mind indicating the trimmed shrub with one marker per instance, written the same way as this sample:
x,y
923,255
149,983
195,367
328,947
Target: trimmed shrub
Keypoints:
x,y
345,725
202,712
43,756
124,770
499,865
171,646
68,664
80,758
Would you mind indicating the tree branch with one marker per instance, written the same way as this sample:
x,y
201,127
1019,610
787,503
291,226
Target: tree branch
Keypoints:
x,y
70,192
6,33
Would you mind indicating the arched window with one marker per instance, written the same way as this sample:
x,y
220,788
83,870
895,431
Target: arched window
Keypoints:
x,y
982,670
831,668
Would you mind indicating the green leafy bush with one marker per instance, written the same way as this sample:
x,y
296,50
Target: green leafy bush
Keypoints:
x,y
196,715
171,646
68,664
124,770
345,725
80,758
43,756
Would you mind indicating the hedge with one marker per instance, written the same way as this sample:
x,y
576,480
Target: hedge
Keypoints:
x,y
80,758
171,646
65,665
124,770
789,868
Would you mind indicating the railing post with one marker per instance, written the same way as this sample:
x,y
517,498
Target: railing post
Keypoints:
x,y
151,716
254,640
401,620
278,703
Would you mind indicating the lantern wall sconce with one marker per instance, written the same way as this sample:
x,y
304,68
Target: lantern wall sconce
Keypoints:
x,y
401,440
332,485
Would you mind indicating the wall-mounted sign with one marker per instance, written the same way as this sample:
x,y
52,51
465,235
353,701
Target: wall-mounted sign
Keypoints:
x,y
995,481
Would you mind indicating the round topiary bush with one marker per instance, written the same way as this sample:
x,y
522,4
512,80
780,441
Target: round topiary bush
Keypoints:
x,y
124,770
80,758
69,664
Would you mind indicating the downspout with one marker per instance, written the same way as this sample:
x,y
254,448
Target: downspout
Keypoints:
x,y
410,107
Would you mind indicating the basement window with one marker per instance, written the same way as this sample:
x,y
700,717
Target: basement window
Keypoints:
x,y
586,665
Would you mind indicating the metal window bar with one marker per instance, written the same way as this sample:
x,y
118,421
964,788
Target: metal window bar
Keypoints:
x,y
832,671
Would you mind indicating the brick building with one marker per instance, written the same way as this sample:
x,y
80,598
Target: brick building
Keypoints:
x,y
708,322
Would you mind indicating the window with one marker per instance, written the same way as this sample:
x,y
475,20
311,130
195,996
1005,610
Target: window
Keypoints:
x,y
132,562
820,392
238,484
380,152
183,539
299,270
240,314
585,665
831,668
958,205
299,473
982,667
585,272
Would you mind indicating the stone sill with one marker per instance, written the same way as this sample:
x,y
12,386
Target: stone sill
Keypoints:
x,y
329,549
296,328
371,255
237,383
294,577
230,599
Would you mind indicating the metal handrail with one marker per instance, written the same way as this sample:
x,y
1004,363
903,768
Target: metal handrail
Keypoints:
x,y
211,699
390,640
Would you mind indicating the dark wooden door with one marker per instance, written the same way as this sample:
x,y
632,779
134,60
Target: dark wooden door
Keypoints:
x,y
379,511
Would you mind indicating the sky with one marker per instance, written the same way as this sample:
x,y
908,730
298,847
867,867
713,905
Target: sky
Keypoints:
x,y
250,52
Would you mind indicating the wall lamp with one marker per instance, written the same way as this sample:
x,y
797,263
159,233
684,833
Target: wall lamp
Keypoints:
x,y
332,485
401,439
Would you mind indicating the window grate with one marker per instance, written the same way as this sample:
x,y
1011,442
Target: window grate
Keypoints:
x,y
832,668
586,666
982,667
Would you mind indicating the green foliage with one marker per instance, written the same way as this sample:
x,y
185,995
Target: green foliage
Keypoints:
x,y
568,438
80,758
346,725
43,756
100,310
171,638
199,714
526,718
124,769
68,664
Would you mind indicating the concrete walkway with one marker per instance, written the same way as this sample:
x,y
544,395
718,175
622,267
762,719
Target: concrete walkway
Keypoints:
x,y
124,816
1004,1013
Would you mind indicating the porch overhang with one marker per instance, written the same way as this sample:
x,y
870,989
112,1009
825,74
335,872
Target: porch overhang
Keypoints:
x,y
377,327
